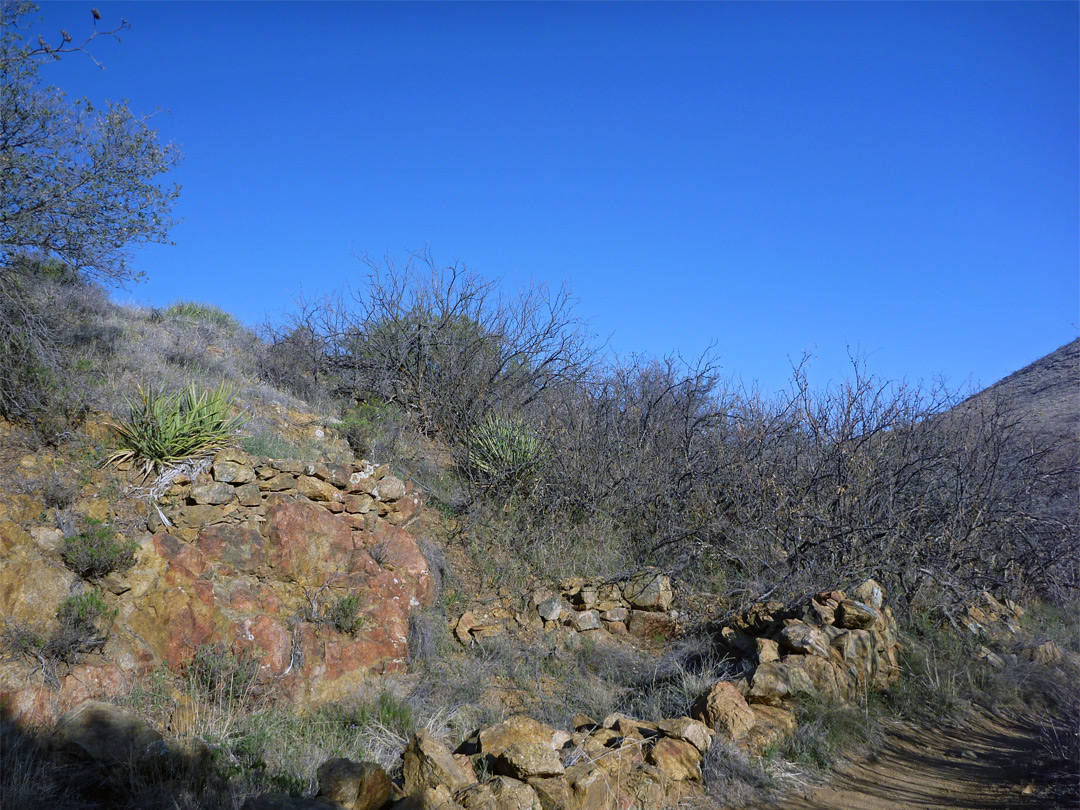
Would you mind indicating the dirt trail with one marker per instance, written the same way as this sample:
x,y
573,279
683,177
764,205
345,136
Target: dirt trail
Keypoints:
x,y
987,764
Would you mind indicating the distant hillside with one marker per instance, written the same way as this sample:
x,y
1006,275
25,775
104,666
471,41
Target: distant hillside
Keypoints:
x,y
1045,394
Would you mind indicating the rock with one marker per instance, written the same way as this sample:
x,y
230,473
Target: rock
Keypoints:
x,y
213,494
778,681
510,794
831,683
553,791
318,490
584,620
692,731
103,733
767,650
518,728
358,504
390,489
551,610
354,785
476,797
279,483
617,614
725,710
853,615
870,593
305,543
525,760
804,640
426,763
249,494
649,589
438,797
677,760
650,626
772,725
1046,653
232,472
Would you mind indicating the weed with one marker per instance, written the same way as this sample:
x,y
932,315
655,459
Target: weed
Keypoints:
x,y
97,551
504,451
343,616
168,428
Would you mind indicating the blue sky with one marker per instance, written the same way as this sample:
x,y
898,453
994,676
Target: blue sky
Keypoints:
x,y
901,179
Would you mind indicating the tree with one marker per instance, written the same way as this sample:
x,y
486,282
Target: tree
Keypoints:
x,y
79,187
77,184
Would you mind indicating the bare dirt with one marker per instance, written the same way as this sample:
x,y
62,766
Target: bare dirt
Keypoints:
x,y
985,763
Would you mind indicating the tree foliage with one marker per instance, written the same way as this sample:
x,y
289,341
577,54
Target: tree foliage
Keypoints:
x,y
79,187
77,184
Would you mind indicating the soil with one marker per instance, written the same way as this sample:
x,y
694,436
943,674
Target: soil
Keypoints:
x,y
985,763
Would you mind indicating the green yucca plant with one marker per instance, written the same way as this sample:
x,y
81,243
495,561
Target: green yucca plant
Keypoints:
x,y
504,450
165,429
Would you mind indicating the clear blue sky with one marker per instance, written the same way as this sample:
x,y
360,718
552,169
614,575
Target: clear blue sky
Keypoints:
x,y
769,178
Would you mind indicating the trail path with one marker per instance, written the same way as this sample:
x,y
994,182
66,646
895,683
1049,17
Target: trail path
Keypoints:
x,y
987,764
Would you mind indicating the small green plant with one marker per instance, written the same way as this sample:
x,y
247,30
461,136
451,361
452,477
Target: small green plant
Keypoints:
x,y
221,675
165,429
343,614
504,450
97,551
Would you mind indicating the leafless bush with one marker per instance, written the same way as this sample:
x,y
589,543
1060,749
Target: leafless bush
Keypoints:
x,y
441,342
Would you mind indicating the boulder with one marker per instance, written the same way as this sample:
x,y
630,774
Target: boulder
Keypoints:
x,y
103,733
649,589
525,760
677,760
493,740
427,763
803,639
306,544
439,797
650,626
725,710
777,681
354,785
511,794
854,615
584,620
232,472
772,725
870,593
213,494
692,731
476,797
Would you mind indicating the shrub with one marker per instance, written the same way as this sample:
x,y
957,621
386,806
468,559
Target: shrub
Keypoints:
x,y
165,429
85,620
97,551
366,427
221,675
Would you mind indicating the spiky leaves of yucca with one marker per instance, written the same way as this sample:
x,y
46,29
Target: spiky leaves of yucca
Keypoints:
x,y
165,429
504,451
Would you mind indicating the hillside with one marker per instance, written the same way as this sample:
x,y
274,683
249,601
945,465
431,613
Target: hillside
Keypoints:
x,y
554,602
1046,393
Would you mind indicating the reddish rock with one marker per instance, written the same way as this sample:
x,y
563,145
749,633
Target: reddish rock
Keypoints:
x,y
305,543
236,546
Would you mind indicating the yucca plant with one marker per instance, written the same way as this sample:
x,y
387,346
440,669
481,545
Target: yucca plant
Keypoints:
x,y
165,429
504,450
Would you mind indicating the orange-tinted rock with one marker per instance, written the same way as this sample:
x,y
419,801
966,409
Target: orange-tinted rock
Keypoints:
x,y
305,543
